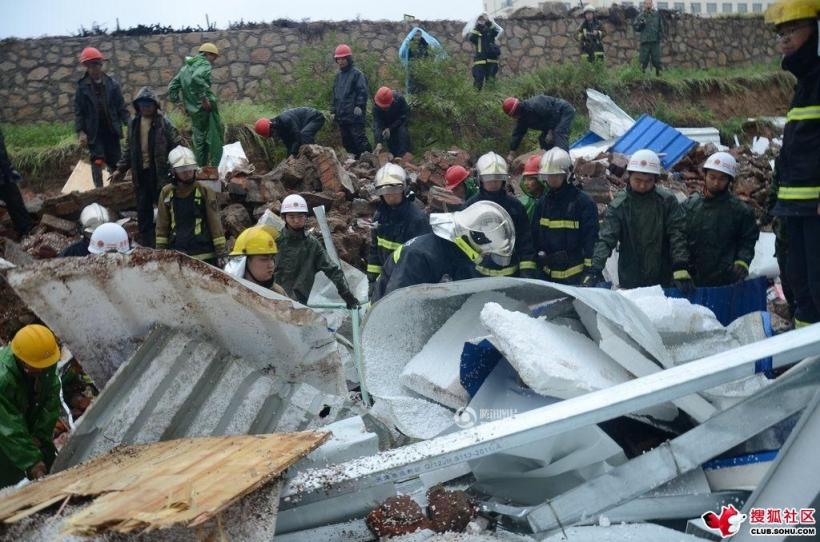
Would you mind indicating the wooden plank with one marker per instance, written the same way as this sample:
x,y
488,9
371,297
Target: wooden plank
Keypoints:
x,y
156,486
81,180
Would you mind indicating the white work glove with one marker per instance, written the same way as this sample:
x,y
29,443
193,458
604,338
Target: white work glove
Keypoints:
x,y
357,111
386,133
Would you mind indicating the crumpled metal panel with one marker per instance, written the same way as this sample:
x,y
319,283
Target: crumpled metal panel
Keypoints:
x,y
177,386
650,133
101,307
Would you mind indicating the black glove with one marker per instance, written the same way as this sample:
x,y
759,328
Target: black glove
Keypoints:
x,y
350,300
683,282
591,277
526,273
740,272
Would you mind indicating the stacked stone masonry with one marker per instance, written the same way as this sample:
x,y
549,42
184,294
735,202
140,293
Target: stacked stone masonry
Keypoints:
x,y
38,76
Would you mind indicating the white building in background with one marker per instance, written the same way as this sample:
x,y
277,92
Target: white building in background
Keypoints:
x,y
501,8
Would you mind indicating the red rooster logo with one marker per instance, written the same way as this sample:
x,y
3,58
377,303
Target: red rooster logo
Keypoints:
x,y
727,523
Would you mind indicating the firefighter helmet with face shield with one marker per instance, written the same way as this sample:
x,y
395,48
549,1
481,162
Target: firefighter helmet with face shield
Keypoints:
x,y
390,179
483,228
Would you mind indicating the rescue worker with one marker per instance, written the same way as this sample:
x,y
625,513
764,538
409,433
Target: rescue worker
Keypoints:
x,y
99,114
188,216
192,87
10,193
458,181
649,226
590,36
485,59
531,187
149,139
397,220
258,246
29,404
91,217
349,104
301,256
492,179
107,238
390,121
544,113
458,243
564,223
650,26
294,127
797,166
721,229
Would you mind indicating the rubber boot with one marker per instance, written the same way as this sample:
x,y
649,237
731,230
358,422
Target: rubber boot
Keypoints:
x,y
96,173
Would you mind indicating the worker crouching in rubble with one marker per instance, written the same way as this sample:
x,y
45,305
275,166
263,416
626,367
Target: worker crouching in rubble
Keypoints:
x,y
720,228
459,242
397,220
188,215
91,217
293,127
29,404
564,223
256,246
649,225
301,256
492,178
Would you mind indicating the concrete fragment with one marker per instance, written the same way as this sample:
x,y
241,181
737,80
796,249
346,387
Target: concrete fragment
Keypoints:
x,y
235,219
45,245
115,197
397,516
331,174
449,510
52,223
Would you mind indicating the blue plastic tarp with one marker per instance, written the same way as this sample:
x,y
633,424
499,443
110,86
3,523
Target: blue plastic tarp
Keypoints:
x,y
433,46
650,133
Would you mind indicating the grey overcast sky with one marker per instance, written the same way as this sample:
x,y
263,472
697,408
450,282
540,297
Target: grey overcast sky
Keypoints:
x,y
32,18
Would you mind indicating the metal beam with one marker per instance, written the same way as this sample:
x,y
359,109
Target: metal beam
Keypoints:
x,y
434,454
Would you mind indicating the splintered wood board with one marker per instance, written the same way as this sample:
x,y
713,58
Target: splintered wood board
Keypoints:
x,y
81,180
156,486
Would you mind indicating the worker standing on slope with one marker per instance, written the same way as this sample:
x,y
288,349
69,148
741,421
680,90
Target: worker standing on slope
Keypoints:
x,y
565,222
492,178
188,216
294,127
192,86
397,220
459,242
390,121
544,113
29,404
301,256
648,225
590,36
798,165
721,229
349,105
99,114
10,192
485,60
650,26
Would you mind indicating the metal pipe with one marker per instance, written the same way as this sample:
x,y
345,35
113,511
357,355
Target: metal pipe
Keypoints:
x,y
319,212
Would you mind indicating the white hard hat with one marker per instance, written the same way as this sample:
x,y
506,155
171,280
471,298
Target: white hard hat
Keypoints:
x,y
492,167
645,161
182,158
554,162
390,179
723,162
589,7
92,216
109,237
294,204
485,225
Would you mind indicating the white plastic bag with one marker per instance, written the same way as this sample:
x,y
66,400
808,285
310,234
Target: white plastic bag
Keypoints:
x,y
234,161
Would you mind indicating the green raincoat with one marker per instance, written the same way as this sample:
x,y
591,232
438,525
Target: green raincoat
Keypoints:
x,y
193,82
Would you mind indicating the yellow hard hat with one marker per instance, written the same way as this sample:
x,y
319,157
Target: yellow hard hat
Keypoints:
x,y
209,48
36,346
255,241
792,10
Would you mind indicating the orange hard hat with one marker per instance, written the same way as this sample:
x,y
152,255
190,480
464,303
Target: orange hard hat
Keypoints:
x,y
384,97
510,105
90,53
262,127
454,176
342,51
533,165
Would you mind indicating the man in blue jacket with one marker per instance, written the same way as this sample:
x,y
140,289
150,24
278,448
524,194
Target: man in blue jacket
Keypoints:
x,y
350,102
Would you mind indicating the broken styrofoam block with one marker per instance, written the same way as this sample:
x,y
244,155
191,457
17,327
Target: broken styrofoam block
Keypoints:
x,y
764,264
672,315
413,417
760,145
552,360
434,372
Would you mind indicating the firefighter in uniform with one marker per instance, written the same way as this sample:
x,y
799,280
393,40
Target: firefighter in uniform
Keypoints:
x,y
485,60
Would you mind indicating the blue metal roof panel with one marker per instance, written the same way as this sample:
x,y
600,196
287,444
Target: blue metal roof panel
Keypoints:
x,y
588,138
650,133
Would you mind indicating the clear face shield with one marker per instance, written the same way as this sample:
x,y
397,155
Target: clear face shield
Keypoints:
x,y
489,229
390,189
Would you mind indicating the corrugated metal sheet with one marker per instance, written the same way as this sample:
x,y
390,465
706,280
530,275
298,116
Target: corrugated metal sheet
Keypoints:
x,y
650,133
588,138
102,308
177,385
